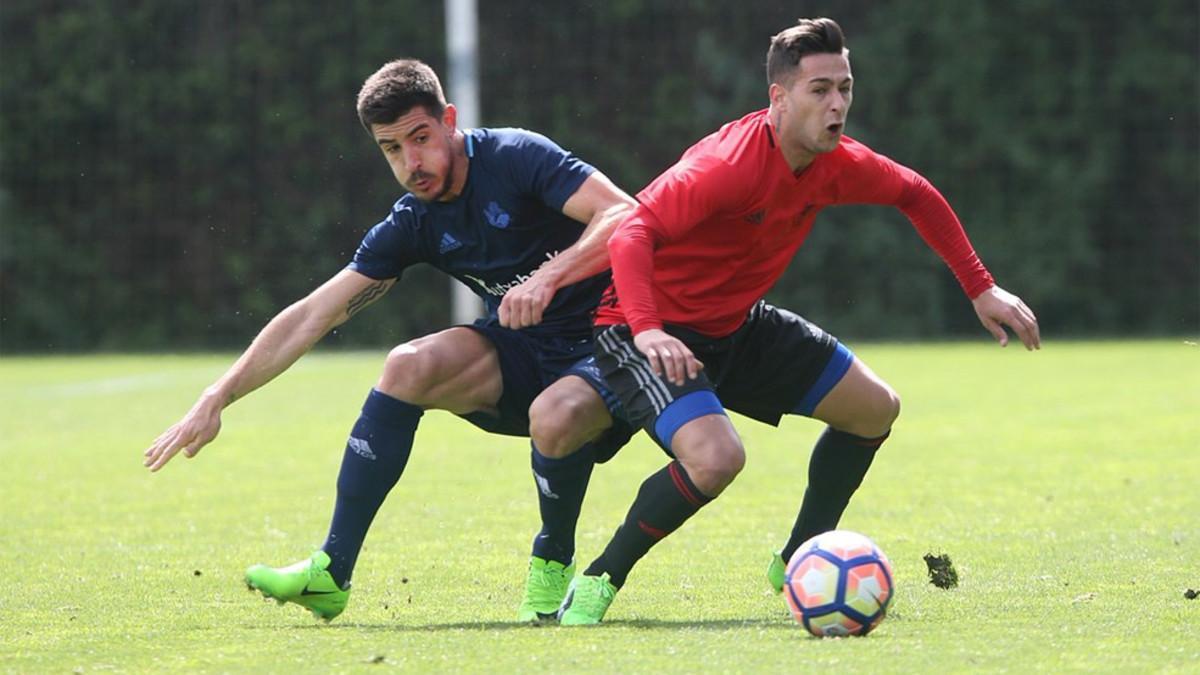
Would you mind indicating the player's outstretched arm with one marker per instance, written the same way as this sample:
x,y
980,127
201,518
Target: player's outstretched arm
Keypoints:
x,y
602,206
997,308
280,343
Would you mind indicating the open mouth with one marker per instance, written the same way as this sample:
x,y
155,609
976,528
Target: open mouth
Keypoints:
x,y
834,128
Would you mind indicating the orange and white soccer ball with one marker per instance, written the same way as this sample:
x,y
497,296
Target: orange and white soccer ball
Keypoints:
x,y
839,583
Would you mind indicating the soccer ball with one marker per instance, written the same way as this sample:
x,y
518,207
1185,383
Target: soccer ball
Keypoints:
x,y
838,583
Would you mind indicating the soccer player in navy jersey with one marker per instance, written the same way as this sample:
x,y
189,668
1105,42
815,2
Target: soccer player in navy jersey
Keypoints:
x,y
686,335
524,224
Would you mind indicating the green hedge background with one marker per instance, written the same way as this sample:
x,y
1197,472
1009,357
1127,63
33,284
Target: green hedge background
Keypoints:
x,y
174,173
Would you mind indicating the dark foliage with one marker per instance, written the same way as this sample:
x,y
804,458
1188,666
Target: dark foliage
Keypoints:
x,y
173,174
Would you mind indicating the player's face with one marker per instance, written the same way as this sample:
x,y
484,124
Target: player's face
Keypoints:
x,y
420,149
812,112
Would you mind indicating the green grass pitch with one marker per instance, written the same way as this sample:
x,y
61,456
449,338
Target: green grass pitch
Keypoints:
x,y
1063,484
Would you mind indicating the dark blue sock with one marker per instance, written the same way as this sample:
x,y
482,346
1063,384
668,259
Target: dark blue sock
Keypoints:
x,y
375,456
561,484
837,467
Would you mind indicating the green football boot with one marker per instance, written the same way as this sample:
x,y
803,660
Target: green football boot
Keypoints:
x,y
777,572
545,588
306,583
587,600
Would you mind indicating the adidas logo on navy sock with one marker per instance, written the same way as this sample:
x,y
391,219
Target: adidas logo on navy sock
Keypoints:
x,y
361,448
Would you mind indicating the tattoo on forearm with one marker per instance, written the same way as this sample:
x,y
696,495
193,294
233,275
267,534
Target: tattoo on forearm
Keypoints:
x,y
367,296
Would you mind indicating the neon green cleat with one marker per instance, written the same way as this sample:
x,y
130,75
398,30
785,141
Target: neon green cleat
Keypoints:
x,y
777,572
587,600
306,583
545,588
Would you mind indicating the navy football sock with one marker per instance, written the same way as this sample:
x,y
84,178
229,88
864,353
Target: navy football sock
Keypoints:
x,y
664,502
561,485
837,467
375,456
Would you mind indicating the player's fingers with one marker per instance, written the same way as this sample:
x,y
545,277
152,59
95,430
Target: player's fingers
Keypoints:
x,y
540,304
1021,324
191,449
693,366
161,444
528,312
686,364
164,457
1023,329
996,330
160,440
1033,322
186,437
503,312
673,364
679,359
652,357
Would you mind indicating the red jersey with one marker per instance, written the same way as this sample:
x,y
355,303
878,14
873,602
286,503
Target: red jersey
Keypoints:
x,y
714,232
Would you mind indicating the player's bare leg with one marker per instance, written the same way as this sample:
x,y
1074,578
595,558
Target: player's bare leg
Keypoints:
x,y
859,410
567,415
456,370
861,403
711,451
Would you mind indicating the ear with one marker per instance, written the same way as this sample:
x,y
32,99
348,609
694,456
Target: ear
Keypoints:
x,y
450,117
777,95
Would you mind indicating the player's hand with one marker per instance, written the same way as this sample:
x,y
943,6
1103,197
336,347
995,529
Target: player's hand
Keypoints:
x,y
523,304
997,308
668,356
194,431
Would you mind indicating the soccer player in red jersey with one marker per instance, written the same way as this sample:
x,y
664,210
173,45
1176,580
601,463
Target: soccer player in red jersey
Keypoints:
x,y
686,334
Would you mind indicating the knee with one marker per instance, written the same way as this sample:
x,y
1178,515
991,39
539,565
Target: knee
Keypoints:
x,y
408,374
879,413
560,425
713,469
889,409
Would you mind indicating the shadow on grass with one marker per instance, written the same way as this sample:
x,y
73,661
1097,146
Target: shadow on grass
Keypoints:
x,y
646,624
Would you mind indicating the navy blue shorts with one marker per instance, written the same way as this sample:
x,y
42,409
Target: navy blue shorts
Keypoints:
x,y
776,363
528,364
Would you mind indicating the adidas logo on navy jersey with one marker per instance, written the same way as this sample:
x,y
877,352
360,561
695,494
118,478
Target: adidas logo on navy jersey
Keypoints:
x,y
496,215
449,243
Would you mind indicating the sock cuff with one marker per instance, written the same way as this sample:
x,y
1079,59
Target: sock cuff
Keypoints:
x,y
389,411
683,483
860,441
544,464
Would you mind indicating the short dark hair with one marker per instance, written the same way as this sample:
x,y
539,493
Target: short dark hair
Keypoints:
x,y
396,88
808,36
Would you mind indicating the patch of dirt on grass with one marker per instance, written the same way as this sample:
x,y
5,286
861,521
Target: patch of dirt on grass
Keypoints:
x,y
941,571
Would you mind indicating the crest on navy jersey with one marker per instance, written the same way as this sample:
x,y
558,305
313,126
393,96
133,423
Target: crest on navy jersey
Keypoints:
x,y
496,215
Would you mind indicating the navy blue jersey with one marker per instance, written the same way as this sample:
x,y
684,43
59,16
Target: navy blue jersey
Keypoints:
x,y
507,223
